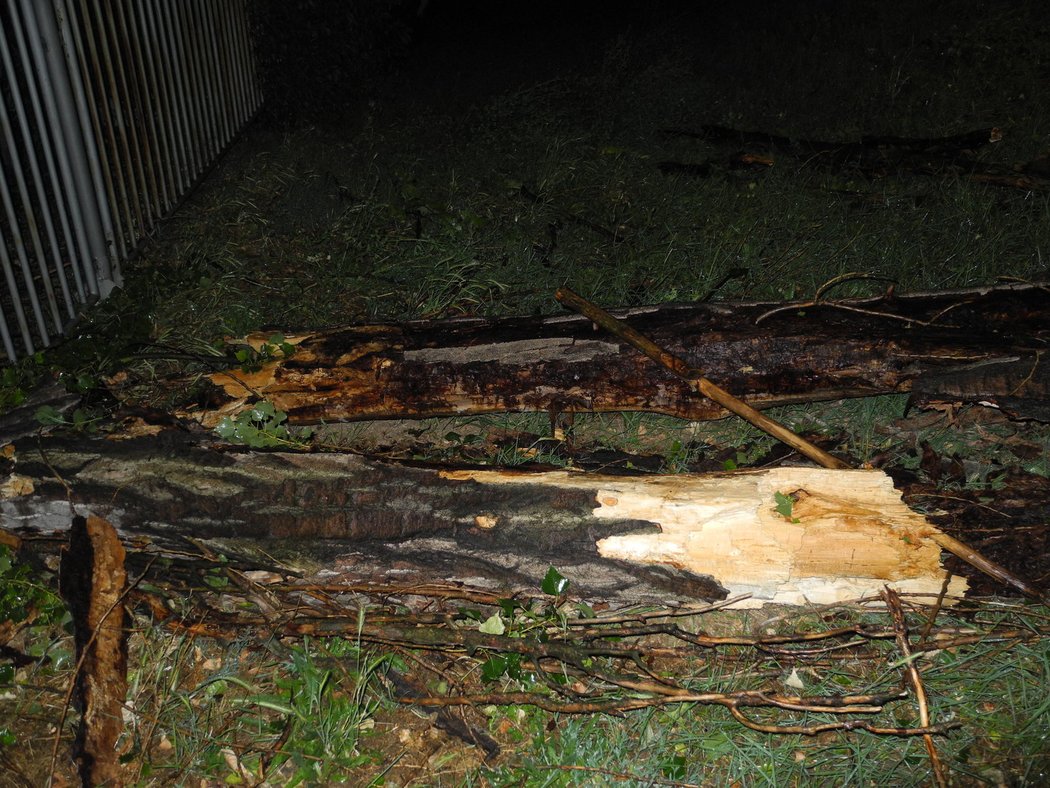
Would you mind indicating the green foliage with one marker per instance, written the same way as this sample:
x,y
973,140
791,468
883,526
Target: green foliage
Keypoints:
x,y
17,380
22,597
80,420
39,617
517,620
274,349
326,711
554,583
262,427
785,505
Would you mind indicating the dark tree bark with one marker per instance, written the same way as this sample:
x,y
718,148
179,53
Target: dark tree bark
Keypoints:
x,y
983,345
626,538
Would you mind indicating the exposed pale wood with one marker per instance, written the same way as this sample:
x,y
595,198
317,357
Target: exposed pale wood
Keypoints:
x,y
622,538
853,533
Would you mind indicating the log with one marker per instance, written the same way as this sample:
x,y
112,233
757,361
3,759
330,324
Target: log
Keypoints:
x,y
873,156
830,535
93,582
984,345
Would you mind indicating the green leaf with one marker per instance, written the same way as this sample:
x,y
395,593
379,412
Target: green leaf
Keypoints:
x,y
785,505
673,768
226,428
48,416
493,668
216,581
493,625
262,410
554,583
508,606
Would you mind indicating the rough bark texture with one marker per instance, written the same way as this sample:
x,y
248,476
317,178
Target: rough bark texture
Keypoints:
x,y
691,536
93,581
983,345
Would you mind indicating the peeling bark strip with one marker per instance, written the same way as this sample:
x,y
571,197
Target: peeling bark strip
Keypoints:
x,y
982,345
93,580
837,535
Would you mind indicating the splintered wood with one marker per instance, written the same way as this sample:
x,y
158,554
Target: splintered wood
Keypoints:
x,y
786,535
93,581
847,534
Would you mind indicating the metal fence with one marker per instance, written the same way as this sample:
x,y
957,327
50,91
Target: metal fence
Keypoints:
x,y
110,110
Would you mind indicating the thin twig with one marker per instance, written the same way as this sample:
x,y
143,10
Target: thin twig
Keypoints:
x,y
893,603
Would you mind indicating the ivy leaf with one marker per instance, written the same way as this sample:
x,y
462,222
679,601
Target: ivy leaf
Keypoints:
x,y
493,625
493,668
554,583
785,505
48,416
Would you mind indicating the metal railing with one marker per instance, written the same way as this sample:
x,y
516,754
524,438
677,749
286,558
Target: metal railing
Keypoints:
x,y
110,110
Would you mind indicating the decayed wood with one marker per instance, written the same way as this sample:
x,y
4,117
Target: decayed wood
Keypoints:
x,y
696,379
624,538
93,581
768,425
984,345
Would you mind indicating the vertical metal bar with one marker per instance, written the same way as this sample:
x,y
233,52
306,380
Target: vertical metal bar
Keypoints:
x,y
79,51
196,51
189,93
12,287
87,155
120,147
228,42
37,251
251,61
37,83
42,203
123,99
110,110
210,62
220,74
5,335
141,104
245,58
160,114
45,46
161,28
244,64
23,263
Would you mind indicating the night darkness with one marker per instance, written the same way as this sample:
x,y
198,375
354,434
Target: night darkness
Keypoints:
x,y
322,58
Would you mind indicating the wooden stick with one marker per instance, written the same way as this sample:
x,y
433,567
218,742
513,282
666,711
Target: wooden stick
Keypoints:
x,y
696,379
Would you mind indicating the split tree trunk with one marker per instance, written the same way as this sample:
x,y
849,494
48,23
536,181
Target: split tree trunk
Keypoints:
x,y
982,345
617,538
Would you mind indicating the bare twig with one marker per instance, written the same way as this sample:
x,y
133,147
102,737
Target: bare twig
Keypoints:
x,y
914,679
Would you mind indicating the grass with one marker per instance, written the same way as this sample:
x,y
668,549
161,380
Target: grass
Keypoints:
x,y
422,211
252,708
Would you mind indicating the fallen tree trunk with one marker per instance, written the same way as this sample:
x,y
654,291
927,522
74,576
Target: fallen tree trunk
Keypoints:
x,y
789,535
873,156
979,346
